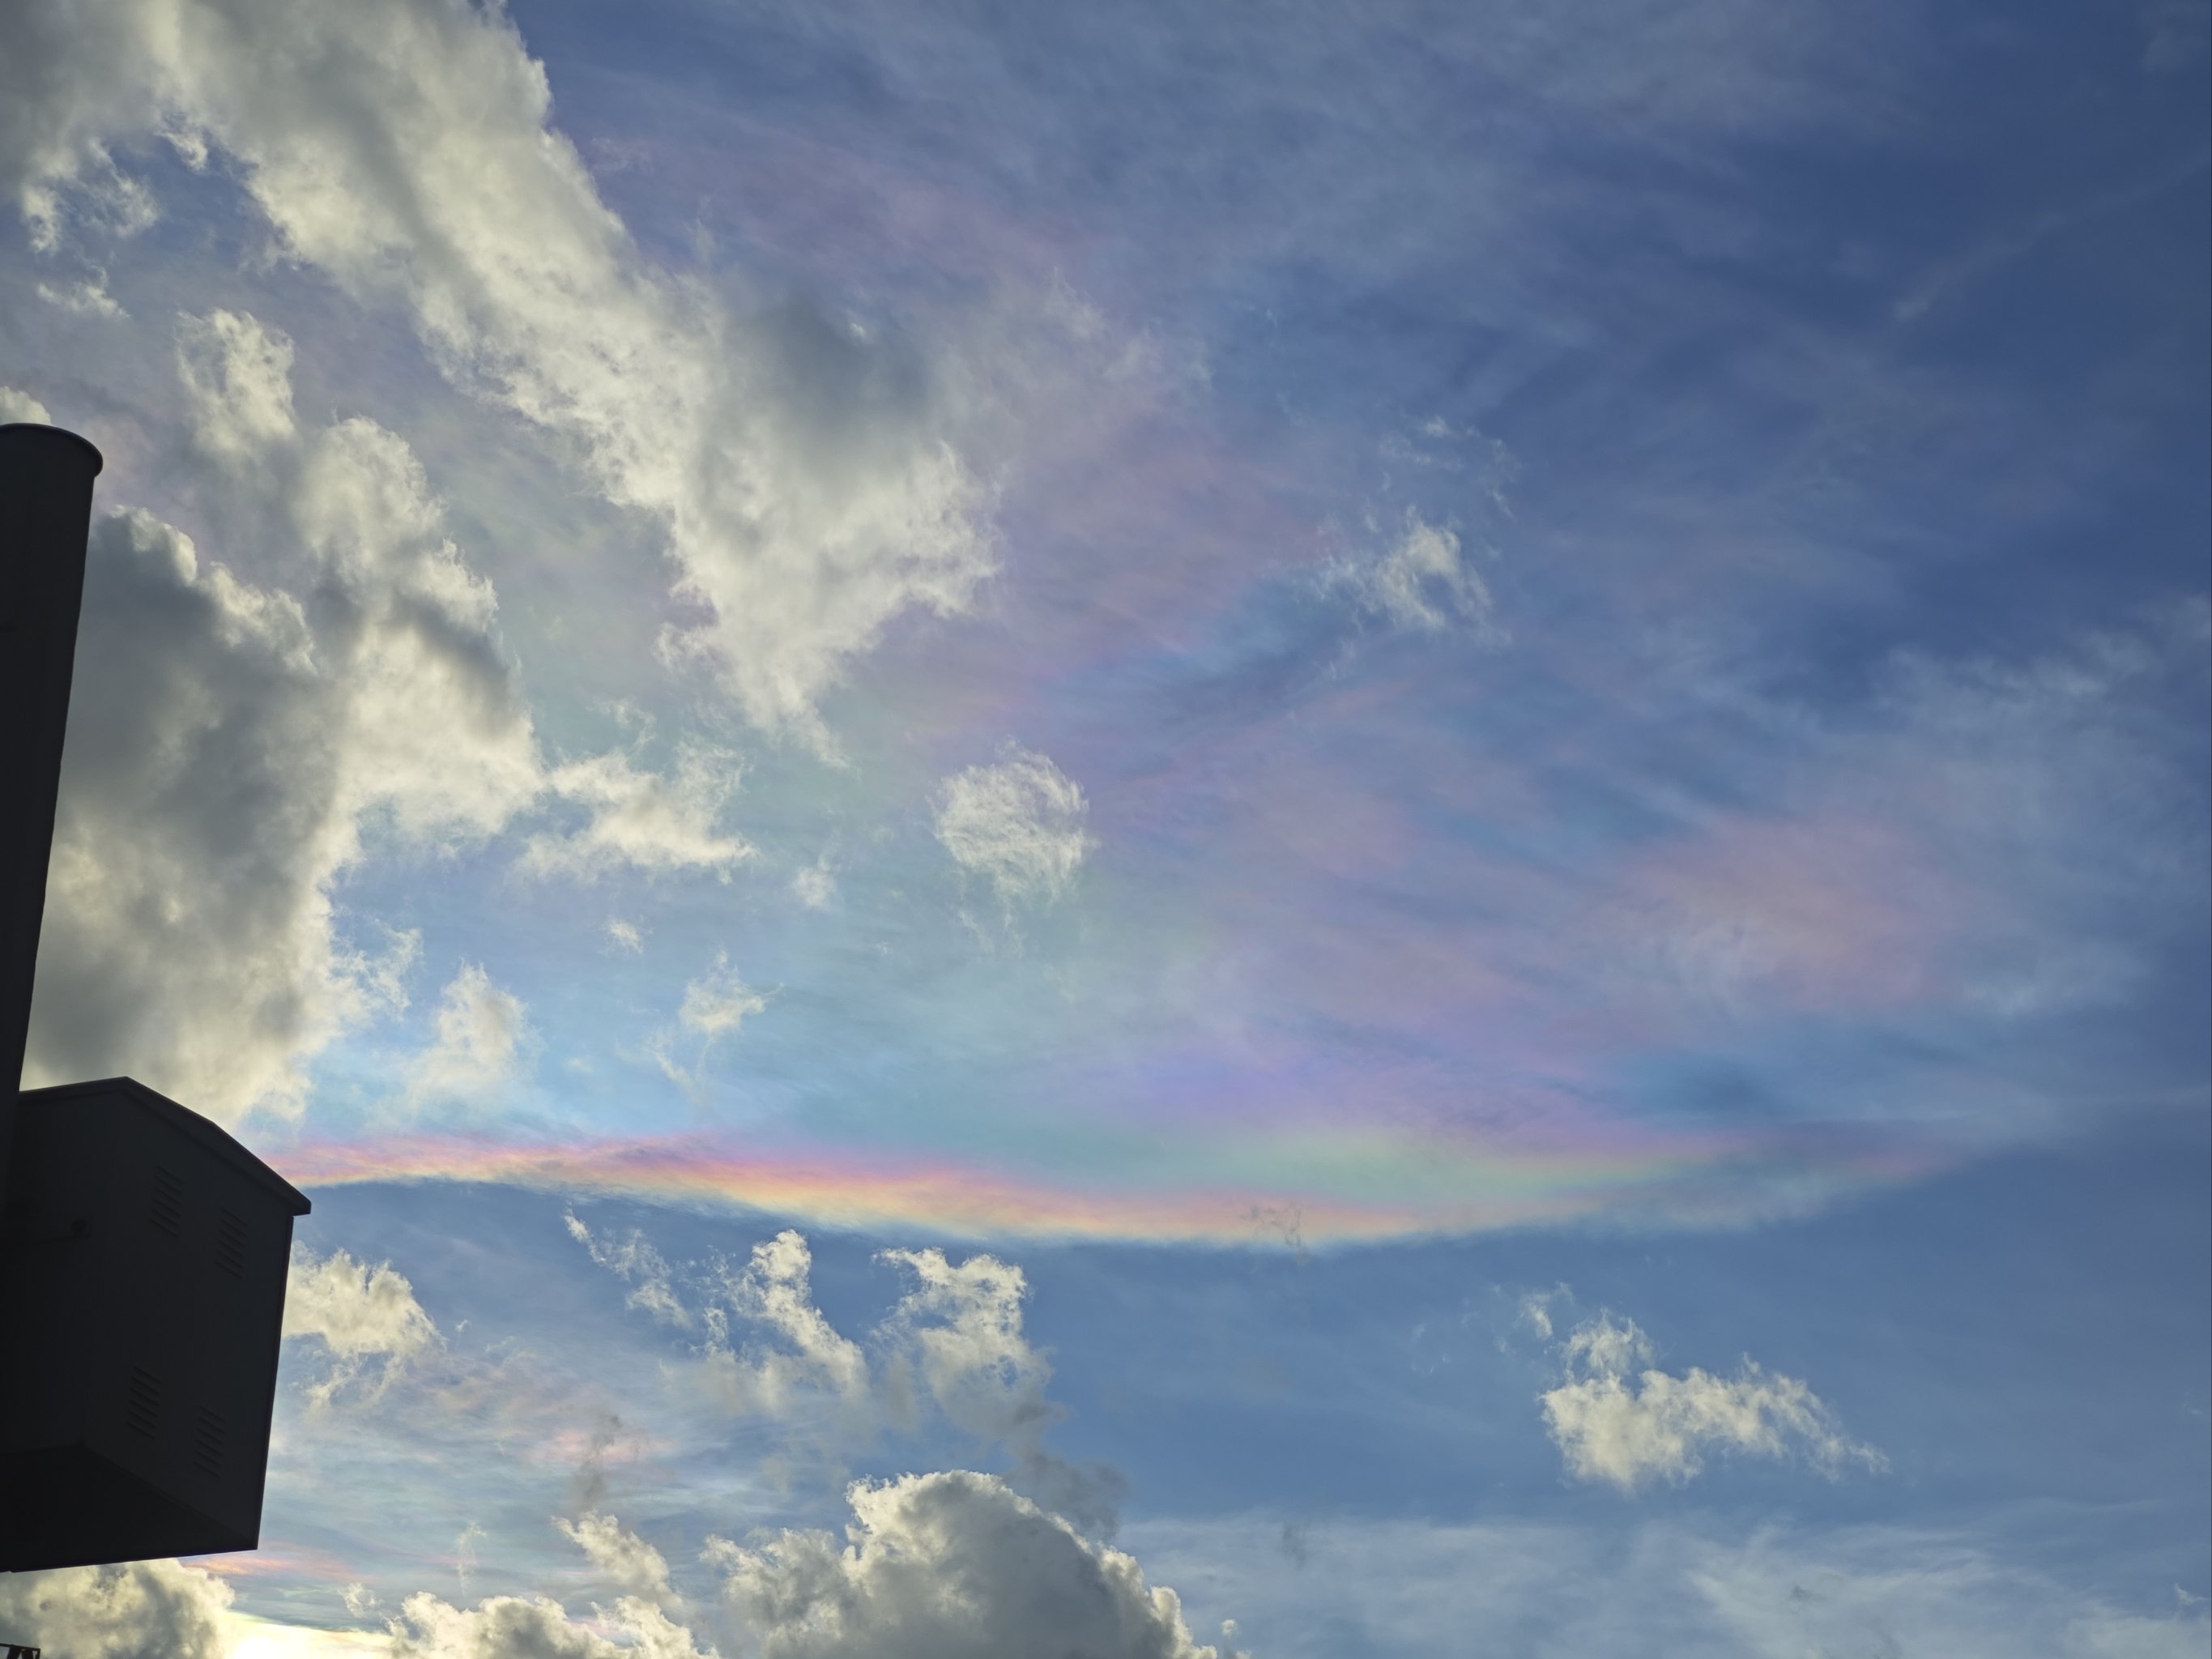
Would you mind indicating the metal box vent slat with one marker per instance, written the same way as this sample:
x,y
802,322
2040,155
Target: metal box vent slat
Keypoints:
x,y
167,1210
141,1405
230,1245
207,1444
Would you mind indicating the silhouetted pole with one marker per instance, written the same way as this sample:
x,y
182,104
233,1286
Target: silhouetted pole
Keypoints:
x,y
45,513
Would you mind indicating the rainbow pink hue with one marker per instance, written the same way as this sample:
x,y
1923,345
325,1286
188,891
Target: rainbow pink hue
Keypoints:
x,y
1324,1189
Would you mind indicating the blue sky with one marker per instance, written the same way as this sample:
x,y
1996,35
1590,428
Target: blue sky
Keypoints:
x,y
1400,816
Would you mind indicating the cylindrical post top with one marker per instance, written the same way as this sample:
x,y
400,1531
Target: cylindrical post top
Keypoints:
x,y
15,432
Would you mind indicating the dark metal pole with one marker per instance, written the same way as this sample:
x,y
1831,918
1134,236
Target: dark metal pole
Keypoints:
x,y
45,513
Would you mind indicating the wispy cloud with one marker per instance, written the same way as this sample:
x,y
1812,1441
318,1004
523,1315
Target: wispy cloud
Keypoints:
x,y
714,1005
1421,580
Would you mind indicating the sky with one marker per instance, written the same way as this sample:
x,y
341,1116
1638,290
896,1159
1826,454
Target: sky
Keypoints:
x,y
1143,831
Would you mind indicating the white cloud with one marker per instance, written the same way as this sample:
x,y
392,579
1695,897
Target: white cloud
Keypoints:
x,y
403,148
642,819
1421,582
718,1002
89,298
1017,825
359,1313
23,406
1622,1425
951,1565
625,936
140,1610
480,1032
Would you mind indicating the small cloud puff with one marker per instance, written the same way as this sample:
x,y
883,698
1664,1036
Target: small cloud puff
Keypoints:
x,y
815,886
1420,583
1017,825
714,1005
480,1032
1623,1426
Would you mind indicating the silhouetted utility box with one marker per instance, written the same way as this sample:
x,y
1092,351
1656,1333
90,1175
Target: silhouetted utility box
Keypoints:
x,y
143,1267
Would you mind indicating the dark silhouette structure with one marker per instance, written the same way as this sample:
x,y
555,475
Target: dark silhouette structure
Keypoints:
x,y
143,1250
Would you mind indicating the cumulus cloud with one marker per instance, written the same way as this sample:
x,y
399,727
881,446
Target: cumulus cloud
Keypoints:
x,y
1623,1425
951,1565
359,1313
137,1610
403,147
480,1032
1017,825
241,746
1421,582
